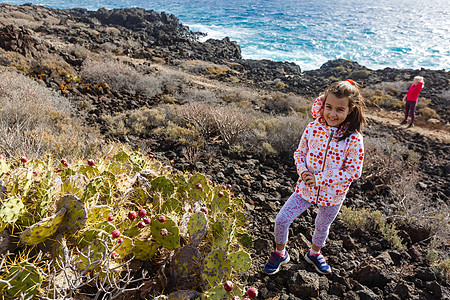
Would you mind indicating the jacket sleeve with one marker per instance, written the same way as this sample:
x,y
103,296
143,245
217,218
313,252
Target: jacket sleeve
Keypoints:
x,y
301,152
351,168
317,107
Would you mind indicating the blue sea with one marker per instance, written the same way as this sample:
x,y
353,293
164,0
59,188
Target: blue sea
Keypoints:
x,y
377,34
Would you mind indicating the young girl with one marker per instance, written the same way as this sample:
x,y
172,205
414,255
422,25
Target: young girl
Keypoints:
x,y
411,98
328,159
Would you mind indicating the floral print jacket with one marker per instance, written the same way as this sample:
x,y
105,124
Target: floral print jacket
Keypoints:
x,y
334,164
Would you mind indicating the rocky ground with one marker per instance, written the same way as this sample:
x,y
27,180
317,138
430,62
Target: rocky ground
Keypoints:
x,y
365,266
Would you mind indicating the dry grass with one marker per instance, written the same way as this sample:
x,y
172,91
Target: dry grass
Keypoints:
x,y
35,121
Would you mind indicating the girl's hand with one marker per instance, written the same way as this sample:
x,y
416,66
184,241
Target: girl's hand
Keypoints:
x,y
309,179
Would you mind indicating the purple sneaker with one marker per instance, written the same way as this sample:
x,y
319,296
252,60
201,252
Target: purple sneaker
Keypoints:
x,y
275,261
319,263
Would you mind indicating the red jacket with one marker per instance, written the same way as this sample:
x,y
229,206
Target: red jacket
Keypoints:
x,y
414,91
334,164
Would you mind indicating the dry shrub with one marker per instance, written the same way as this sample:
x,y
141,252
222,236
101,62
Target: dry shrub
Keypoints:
x,y
120,76
381,98
428,113
281,103
14,59
228,122
198,95
47,63
285,133
143,120
35,121
204,67
189,137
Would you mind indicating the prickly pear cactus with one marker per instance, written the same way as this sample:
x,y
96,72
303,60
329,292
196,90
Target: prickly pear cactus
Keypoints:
x,y
43,229
138,161
125,247
215,268
169,241
10,211
163,185
144,249
99,213
221,232
185,267
198,187
240,261
197,226
219,293
24,277
172,204
76,215
75,184
92,256
121,156
220,201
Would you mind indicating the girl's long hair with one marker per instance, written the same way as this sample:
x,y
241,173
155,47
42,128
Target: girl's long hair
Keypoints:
x,y
355,119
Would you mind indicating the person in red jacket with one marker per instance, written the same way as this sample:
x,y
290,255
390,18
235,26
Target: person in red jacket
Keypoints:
x,y
411,98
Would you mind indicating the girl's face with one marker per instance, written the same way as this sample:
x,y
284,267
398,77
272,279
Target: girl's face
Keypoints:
x,y
335,110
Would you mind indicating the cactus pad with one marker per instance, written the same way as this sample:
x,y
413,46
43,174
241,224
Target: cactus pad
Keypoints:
x,y
91,256
25,278
42,230
144,249
185,267
215,268
124,248
196,193
221,231
219,293
99,213
183,295
76,215
163,185
75,184
11,209
172,204
172,239
240,261
219,204
197,226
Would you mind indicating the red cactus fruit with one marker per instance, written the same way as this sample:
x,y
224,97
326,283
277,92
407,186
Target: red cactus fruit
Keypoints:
x,y
142,212
23,159
150,156
115,234
161,219
66,164
224,187
204,209
147,221
91,162
120,240
228,286
113,255
57,170
220,194
131,215
1,156
63,161
164,232
228,186
35,173
110,218
141,224
198,186
252,292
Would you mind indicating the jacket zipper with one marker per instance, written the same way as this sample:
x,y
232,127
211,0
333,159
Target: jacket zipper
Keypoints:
x,y
324,160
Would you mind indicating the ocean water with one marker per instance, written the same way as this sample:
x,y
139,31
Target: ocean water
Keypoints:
x,y
377,34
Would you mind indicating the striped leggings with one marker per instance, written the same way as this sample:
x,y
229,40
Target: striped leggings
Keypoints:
x,y
294,207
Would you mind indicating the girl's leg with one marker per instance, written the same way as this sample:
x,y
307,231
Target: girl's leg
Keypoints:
x,y
412,108
407,108
293,207
325,217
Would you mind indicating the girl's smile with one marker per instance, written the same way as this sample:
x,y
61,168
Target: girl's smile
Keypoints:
x,y
335,110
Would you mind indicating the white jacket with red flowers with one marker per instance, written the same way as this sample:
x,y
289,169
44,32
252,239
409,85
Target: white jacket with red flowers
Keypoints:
x,y
335,164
